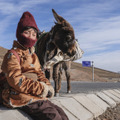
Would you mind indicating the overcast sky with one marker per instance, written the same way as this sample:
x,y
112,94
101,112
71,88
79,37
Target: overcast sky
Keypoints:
x,y
96,24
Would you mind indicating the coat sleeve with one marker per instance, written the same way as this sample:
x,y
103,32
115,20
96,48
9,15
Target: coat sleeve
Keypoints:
x,y
11,67
42,78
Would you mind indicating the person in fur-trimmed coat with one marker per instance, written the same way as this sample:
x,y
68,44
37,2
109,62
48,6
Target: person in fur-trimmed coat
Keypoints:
x,y
27,87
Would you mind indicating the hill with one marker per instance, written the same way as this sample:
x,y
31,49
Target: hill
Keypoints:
x,y
79,73
99,74
2,53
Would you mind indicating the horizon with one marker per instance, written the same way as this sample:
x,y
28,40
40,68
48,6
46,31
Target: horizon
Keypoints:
x,y
96,25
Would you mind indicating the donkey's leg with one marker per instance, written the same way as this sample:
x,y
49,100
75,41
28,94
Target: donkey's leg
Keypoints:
x,y
67,72
55,78
67,66
47,74
60,77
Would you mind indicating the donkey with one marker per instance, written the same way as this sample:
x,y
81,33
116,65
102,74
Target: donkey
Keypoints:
x,y
58,41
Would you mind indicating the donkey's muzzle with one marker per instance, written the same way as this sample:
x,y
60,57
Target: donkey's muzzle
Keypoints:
x,y
71,53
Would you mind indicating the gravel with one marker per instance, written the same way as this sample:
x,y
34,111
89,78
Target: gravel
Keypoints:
x,y
110,114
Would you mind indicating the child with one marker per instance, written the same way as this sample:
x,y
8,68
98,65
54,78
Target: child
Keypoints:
x,y
27,87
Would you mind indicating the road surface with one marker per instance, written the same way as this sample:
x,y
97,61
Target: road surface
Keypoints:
x,y
88,87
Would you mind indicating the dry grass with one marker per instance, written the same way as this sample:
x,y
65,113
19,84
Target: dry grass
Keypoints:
x,y
2,53
99,73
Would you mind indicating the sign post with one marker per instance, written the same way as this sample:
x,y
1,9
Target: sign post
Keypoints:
x,y
119,76
93,71
88,64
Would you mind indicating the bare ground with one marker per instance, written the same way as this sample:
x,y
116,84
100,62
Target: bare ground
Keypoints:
x,y
110,114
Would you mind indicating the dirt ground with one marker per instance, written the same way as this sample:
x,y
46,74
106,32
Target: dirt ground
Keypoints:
x,y
110,114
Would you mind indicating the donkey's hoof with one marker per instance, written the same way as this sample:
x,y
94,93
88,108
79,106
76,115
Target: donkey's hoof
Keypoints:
x,y
69,92
56,94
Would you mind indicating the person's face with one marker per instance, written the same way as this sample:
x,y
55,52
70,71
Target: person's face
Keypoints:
x,y
30,33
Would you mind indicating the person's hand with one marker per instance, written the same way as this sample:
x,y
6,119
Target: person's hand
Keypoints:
x,y
50,91
44,91
49,94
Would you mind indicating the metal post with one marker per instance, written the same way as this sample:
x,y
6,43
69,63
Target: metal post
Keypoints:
x,y
119,76
93,71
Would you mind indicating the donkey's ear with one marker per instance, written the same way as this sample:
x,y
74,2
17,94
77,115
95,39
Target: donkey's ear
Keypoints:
x,y
58,18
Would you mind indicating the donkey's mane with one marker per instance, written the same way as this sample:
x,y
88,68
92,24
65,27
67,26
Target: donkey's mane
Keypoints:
x,y
40,46
44,46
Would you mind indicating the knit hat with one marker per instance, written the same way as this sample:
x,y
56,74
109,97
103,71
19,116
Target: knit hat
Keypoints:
x,y
27,20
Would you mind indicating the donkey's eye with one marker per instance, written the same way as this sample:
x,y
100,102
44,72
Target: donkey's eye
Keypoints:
x,y
68,38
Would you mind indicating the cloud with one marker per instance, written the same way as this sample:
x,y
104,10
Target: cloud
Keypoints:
x,y
7,7
105,36
106,60
101,36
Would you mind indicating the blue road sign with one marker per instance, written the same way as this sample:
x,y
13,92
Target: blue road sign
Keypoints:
x,y
86,63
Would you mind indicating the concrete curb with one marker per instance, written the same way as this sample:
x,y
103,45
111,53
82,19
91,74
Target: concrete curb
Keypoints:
x,y
76,106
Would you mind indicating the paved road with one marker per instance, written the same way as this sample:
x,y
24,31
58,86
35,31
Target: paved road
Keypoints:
x,y
88,87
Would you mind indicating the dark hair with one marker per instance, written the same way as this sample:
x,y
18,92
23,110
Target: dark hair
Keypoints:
x,y
26,28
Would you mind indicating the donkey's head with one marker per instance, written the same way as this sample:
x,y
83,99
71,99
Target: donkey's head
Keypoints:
x,y
63,35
